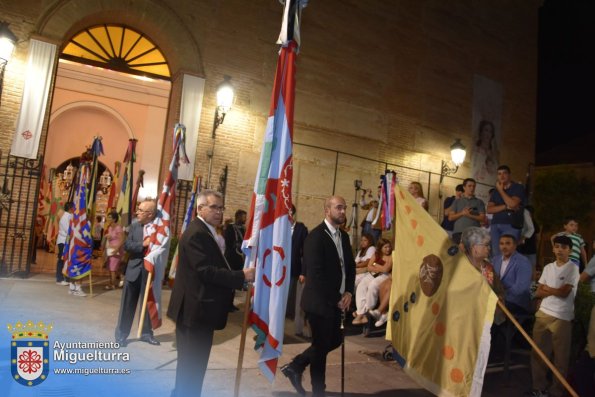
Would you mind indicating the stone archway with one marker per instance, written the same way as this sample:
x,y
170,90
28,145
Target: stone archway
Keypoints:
x,y
157,20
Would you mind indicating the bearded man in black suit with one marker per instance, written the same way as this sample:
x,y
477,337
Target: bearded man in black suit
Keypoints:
x,y
202,293
328,290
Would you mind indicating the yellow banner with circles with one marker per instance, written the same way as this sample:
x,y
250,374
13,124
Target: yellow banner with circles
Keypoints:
x,y
441,308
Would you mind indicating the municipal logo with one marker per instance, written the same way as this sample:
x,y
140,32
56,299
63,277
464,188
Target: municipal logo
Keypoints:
x,y
29,352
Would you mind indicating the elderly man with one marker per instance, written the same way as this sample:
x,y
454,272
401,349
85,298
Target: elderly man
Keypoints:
x,y
330,270
136,275
515,272
202,293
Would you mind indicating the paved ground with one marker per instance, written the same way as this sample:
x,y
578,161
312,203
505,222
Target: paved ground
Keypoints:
x,y
92,319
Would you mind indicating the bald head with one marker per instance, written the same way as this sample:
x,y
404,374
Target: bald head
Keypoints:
x,y
334,210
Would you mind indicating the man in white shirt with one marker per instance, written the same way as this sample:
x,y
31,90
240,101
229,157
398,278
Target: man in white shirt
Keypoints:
x,y
61,240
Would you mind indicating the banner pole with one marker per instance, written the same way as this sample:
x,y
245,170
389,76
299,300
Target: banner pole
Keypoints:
x,y
236,390
91,282
547,362
144,307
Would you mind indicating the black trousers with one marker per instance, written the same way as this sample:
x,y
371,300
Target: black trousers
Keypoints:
x,y
194,347
326,337
131,294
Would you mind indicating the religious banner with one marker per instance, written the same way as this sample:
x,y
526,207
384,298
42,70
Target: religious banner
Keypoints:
x,y
38,76
441,308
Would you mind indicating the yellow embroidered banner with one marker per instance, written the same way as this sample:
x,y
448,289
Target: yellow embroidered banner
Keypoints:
x,y
441,308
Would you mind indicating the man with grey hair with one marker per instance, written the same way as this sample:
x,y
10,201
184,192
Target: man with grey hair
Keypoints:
x,y
202,293
136,275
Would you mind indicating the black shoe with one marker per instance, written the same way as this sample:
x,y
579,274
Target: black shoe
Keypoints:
x,y
294,377
122,342
233,309
150,339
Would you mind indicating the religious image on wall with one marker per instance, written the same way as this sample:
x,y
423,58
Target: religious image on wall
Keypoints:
x,y
486,131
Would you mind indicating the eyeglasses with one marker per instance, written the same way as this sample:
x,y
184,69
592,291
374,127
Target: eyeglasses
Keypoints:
x,y
143,211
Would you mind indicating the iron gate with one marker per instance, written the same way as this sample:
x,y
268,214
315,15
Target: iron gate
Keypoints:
x,y
19,179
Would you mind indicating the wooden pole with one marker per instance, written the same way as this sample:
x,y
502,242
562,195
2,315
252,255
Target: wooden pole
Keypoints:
x,y
537,350
236,390
91,282
144,307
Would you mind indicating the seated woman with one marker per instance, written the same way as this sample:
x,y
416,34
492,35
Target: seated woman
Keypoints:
x,y
381,312
379,267
366,251
417,192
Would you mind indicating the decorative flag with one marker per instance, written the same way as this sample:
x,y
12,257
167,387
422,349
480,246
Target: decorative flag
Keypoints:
x,y
78,248
267,243
140,182
190,213
96,151
157,254
387,182
115,185
441,308
44,198
56,203
123,206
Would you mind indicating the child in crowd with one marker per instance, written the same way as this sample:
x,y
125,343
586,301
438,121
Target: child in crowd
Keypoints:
x,y
552,331
578,252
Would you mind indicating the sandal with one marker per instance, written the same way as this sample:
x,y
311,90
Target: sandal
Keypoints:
x,y
108,287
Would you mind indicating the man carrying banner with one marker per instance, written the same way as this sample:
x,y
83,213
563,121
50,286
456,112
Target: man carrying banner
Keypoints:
x,y
328,291
202,293
136,275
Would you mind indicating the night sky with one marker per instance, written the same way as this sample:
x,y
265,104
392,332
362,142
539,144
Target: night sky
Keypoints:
x,y
566,92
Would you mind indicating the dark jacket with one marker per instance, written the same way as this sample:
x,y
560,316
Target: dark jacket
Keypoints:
x,y
300,231
204,285
136,252
323,268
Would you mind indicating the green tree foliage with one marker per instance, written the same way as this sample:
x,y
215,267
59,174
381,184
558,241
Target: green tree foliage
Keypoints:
x,y
561,193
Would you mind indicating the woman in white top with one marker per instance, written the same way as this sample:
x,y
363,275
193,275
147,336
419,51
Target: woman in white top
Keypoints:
x,y
366,251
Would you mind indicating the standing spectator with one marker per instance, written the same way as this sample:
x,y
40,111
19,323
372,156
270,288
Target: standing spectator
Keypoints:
x,y
136,275
299,231
528,245
114,241
552,331
506,203
234,236
466,211
371,224
447,224
202,293
585,367
97,232
61,240
578,252
515,273
330,272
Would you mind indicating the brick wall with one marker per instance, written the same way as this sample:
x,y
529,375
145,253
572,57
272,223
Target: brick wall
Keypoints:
x,y
391,81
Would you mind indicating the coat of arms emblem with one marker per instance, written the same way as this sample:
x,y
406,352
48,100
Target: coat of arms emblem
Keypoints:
x,y
29,352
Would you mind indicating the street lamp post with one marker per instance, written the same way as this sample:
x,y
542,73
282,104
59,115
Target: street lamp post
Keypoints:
x,y
457,154
225,95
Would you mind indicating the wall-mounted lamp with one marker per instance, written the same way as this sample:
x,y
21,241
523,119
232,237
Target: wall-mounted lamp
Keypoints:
x,y
7,42
457,154
225,95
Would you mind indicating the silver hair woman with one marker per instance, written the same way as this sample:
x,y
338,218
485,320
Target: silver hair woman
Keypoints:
x,y
475,243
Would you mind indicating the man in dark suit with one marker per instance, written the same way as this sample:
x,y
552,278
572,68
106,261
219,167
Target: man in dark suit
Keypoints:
x,y
234,236
202,293
299,231
136,275
330,270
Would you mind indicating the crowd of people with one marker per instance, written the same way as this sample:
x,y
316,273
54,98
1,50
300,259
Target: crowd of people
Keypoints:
x,y
328,279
